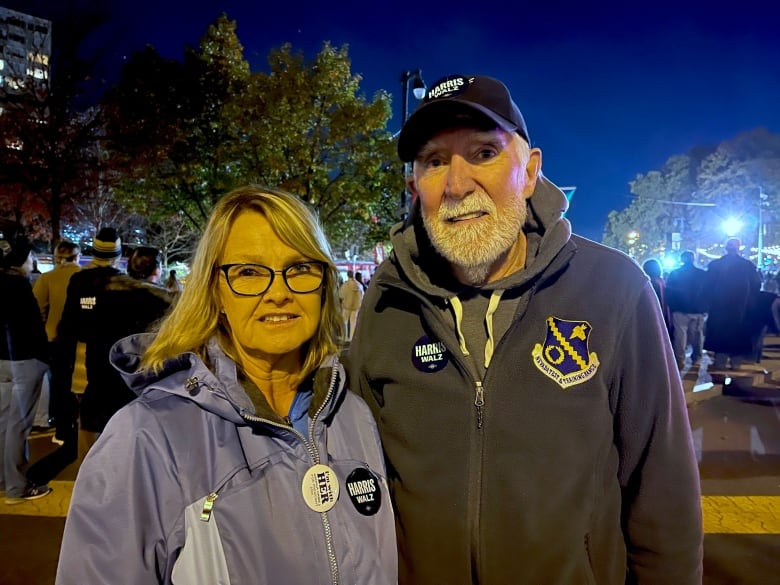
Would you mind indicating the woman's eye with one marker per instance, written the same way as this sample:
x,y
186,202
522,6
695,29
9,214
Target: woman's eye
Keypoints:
x,y
248,271
301,268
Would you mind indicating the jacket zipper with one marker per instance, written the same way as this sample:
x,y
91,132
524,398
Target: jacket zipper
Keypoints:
x,y
208,505
479,402
477,446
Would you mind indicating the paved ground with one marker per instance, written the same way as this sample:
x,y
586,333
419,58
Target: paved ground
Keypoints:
x,y
736,426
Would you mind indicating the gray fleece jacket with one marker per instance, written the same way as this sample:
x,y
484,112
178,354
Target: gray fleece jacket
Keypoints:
x,y
535,430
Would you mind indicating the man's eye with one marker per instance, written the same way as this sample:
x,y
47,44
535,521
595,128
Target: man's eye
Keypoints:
x,y
486,153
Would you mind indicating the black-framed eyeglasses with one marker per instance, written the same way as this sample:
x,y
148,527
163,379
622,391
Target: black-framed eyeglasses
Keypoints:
x,y
251,280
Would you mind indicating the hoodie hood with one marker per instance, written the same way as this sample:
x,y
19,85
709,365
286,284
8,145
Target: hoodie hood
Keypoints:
x,y
216,389
546,230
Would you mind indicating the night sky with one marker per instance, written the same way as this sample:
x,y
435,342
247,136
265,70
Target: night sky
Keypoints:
x,y
608,91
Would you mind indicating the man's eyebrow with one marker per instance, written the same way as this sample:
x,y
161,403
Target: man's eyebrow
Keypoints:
x,y
426,149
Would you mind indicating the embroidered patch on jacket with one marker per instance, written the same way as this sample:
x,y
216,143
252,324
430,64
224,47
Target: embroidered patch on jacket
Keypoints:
x,y
564,357
428,355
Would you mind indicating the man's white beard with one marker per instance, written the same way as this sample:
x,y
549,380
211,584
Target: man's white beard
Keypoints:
x,y
474,248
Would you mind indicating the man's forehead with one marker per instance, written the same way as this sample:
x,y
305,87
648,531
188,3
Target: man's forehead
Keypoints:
x,y
468,134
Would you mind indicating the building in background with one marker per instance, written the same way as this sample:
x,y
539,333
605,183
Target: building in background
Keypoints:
x,y
25,52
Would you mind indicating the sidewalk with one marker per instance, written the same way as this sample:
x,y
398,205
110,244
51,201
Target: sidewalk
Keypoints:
x,y
758,382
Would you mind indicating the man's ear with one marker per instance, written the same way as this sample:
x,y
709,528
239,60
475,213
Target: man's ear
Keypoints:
x,y
532,170
410,186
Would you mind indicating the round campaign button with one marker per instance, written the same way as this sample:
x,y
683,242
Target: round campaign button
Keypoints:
x,y
363,490
320,488
429,355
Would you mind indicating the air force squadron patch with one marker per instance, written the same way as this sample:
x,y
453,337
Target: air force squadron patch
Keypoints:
x,y
564,356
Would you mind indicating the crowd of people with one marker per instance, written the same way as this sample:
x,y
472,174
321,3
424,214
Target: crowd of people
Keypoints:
x,y
726,309
58,330
499,415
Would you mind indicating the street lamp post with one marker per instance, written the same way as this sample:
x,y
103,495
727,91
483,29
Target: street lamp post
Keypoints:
x,y
418,89
762,197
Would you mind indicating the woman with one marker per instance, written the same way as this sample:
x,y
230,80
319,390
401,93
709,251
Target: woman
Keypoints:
x,y
245,459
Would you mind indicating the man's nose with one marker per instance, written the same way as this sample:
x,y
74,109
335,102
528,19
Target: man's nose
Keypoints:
x,y
460,180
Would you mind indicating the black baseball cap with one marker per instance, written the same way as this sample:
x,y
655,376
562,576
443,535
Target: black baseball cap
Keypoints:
x,y
460,100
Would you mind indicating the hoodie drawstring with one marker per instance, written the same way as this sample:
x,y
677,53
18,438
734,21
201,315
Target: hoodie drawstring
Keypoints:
x,y
457,309
492,307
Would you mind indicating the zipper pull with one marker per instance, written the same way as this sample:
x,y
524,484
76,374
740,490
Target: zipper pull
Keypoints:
x,y
479,402
208,505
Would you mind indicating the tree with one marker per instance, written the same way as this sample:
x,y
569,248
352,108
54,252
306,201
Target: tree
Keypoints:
x,y
170,126
312,133
54,153
683,204
185,133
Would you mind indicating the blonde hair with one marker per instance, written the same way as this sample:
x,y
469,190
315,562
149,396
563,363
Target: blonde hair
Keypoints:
x,y
196,317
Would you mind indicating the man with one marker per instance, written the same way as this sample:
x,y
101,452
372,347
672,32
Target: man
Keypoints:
x,y
23,363
351,296
685,295
50,291
79,325
359,279
127,304
652,268
522,377
732,286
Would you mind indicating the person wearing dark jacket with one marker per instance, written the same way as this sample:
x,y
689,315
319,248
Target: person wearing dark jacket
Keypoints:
x,y
531,412
128,303
652,268
685,296
732,287
23,363
79,326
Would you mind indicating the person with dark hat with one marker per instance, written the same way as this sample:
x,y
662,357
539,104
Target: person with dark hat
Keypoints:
x,y
522,378
79,324
23,363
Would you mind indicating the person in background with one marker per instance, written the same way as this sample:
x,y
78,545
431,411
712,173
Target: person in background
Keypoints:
x,y
245,459
79,325
35,273
351,295
359,279
172,283
732,287
127,304
23,363
653,270
50,291
523,381
685,297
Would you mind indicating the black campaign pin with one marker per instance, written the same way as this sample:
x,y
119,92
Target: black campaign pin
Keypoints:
x,y
363,490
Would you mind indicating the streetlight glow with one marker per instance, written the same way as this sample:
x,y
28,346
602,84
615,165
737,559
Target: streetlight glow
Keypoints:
x,y
731,226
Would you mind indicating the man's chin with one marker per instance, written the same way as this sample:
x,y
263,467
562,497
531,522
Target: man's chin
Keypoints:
x,y
473,274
